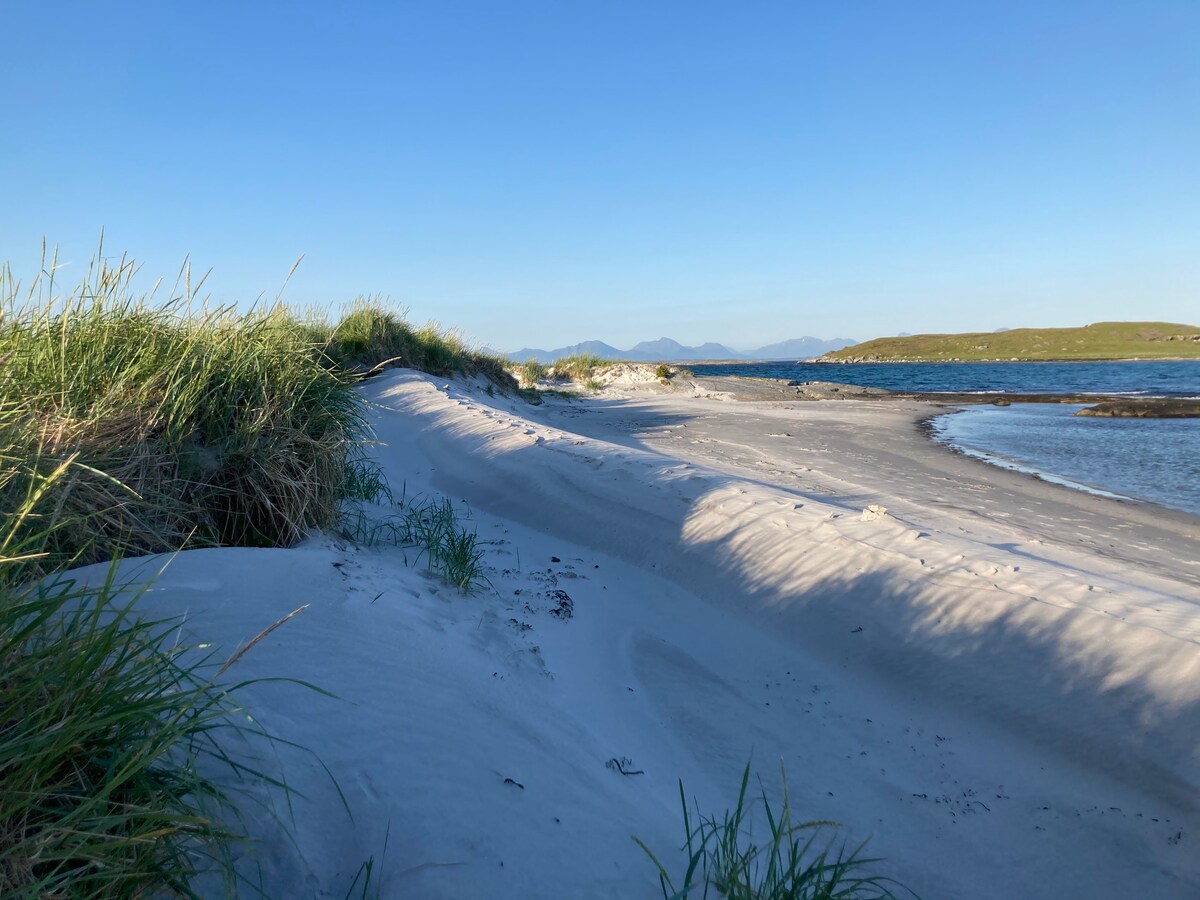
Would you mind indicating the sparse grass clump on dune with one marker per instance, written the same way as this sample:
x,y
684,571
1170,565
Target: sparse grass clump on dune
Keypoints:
x,y
431,530
786,864
105,722
368,336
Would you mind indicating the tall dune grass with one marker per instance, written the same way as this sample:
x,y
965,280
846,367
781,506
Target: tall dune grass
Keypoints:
x,y
186,425
580,367
105,725
531,372
130,425
370,336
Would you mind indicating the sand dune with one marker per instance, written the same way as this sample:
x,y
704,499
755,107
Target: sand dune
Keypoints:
x,y
996,678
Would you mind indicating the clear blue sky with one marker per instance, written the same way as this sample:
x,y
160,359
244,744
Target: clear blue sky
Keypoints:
x,y
544,173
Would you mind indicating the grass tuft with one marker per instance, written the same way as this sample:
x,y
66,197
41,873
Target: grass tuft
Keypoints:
x,y
531,372
431,531
130,426
371,337
106,730
370,888
184,425
788,864
578,368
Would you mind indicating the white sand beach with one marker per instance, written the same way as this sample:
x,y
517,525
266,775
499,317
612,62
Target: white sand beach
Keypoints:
x,y
995,679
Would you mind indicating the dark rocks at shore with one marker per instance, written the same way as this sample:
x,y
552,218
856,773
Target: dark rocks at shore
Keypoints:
x,y
832,390
966,399
745,388
1145,408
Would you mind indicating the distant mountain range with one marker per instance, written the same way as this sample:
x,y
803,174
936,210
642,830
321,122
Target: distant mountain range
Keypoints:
x,y
667,350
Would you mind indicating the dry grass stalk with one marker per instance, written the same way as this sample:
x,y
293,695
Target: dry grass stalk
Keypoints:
x,y
238,654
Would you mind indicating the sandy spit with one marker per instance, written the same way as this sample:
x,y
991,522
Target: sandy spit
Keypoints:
x,y
994,678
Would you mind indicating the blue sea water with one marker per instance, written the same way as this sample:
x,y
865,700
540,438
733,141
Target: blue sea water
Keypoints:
x,y
1135,378
1143,459
1156,460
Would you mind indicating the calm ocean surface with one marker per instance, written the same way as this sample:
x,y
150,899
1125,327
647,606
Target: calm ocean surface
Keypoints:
x,y
1151,379
1146,459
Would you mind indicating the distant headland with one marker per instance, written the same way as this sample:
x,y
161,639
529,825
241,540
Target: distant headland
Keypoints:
x,y
1100,341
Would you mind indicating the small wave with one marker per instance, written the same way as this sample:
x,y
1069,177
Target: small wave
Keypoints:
x,y
1013,465
1139,460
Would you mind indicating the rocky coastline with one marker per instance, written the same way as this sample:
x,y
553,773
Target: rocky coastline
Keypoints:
x,y
1145,408
1099,405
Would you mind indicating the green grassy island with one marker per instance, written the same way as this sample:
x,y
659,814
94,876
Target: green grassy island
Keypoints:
x,y
1103,340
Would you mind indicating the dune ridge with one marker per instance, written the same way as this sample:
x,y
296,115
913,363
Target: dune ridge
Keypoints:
x,y
685,583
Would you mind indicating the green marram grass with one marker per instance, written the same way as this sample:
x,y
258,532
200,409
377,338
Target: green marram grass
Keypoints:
x,y
370,336
132,426
1103,340
106,726
431,530
187,426
530,372
790,862
192,425
129,426
578,368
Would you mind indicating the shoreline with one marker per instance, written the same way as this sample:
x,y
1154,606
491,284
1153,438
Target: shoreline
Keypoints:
x,y
842,362
997,460
1068,359
753,389
903,596
1012,487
